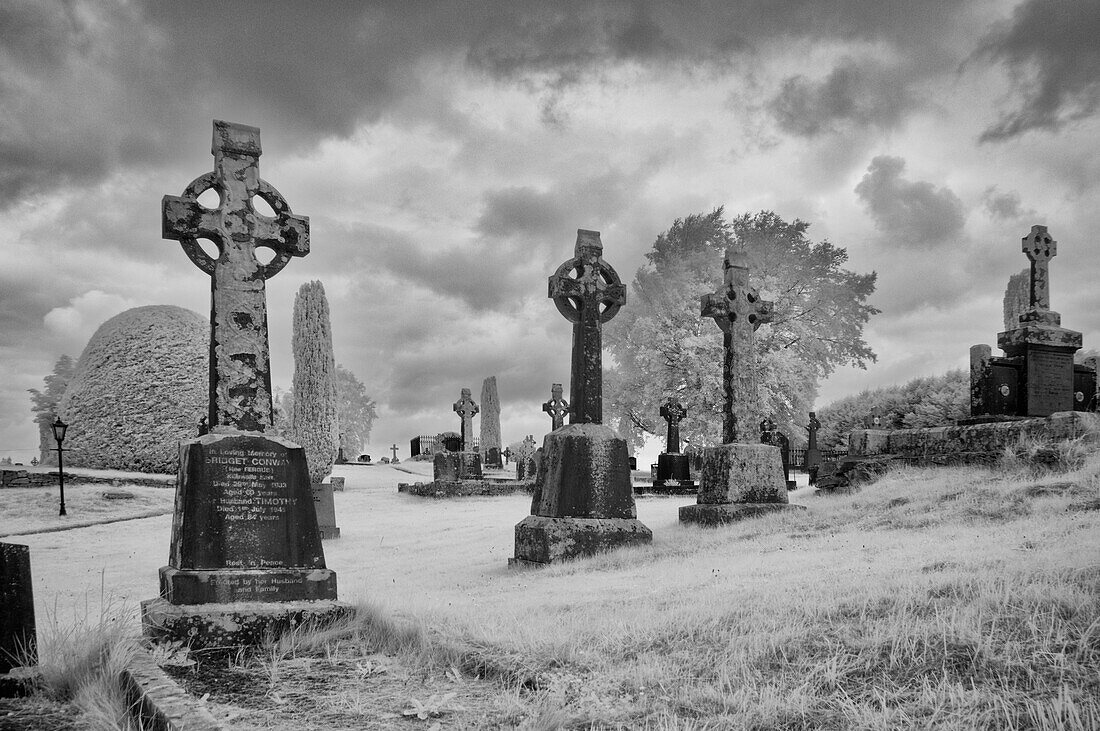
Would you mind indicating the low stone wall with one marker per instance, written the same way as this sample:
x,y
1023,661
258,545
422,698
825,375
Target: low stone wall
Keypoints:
x,y
973,443
465,488
27,478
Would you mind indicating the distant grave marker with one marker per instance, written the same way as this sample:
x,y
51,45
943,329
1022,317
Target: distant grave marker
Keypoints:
x,y
673,468
556,407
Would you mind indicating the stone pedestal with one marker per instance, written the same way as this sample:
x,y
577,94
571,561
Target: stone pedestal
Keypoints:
x,y
738,481
1046,350
453,466
226,627
583,501
674,468
325,507
245,530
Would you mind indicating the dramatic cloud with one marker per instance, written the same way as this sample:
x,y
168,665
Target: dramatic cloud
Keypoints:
x,y
86,312
1004,205
1052,50
910,212
854,95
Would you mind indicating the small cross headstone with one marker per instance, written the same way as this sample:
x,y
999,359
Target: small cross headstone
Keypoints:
x,y
393,448
1040,248
673,413
738,310
588,293
556,407
466,410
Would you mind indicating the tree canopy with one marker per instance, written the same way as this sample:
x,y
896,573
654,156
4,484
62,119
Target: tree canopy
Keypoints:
x,y
44,405
661,346
355,411
922,402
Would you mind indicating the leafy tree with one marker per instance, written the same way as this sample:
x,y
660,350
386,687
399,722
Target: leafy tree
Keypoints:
x,y
922,402
44,404
355,411
661,346
313,419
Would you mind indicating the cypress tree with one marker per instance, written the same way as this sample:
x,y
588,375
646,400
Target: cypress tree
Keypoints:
x,y
314,423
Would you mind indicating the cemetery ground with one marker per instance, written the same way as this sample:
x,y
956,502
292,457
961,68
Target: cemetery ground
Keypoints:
x,y
944,598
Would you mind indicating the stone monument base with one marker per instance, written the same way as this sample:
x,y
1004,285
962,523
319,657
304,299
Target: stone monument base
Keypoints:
x,y
738,481
730,512
541,540
229,627
221,586
454,466
463,488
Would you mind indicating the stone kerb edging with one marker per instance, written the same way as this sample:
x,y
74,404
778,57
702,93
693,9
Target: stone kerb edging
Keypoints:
x,y
26,478
159,703
973,442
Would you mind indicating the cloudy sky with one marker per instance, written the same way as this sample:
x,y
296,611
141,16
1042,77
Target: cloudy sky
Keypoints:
x,y
446,153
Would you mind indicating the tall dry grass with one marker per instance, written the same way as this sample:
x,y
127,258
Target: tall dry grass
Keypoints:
x,y
80,659
954,598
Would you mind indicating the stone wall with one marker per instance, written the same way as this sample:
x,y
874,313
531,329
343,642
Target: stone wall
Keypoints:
x,y
10,477
974,443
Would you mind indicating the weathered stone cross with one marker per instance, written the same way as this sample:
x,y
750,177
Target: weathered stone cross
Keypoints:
x,y
557,407
1040,249
240,370
673,413
739,311
812,429
393,448
588,293
466,410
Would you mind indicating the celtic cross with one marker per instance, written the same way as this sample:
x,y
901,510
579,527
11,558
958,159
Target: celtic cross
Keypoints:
x,y
673,413
240,369
1040,248
466,410
588,293
738,311
812,429
557,407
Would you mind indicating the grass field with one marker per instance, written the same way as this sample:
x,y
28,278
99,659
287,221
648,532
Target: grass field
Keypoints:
x,y
955,598
942,598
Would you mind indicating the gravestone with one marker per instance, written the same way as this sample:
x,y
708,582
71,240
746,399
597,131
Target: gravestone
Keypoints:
x,y
673,468
813,454
738,479
449,441
324,504
770,434
465,464
525,459
556,407
583,501
245,558
466,410
490,424
1037,375
18,635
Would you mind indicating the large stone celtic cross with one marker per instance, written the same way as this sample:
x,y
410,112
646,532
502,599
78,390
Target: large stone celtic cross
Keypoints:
x,y
240,369
673,412
466,409
557,407
1040,248
738,311
588,293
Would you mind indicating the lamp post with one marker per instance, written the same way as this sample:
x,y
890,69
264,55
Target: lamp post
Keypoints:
x,y
59,427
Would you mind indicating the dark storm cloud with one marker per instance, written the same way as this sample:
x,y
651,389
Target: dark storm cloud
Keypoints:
x,y
85,89
855,94
1052,50
909,212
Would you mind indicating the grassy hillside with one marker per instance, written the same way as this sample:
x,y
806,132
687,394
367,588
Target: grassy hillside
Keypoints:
x,y
940,598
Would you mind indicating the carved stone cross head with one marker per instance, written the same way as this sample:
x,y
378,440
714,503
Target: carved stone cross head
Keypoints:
x,y
673,412
1040,248
587,288
736,302
465,406
556,407
235,226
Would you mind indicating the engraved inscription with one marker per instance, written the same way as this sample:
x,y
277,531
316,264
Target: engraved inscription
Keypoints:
x,y
259,586
1049,382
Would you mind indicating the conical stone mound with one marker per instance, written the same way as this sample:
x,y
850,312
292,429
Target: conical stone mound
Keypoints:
x,y
139,387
